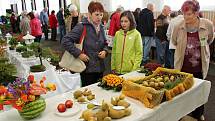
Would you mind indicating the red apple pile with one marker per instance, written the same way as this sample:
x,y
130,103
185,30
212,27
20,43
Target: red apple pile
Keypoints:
x,y
62,107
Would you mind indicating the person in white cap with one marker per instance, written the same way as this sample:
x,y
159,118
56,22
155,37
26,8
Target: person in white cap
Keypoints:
x,y
25,23
73,19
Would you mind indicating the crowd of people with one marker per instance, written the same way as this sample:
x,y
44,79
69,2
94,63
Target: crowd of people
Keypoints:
x,y
39,24
182,38
182,41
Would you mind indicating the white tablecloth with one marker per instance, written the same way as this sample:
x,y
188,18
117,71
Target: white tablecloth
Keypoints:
x,y
65,81
168,111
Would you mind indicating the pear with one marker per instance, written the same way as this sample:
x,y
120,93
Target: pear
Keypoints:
x,y
90,97
81,99
77,94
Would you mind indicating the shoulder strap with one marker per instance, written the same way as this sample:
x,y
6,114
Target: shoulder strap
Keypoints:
x,y
83,35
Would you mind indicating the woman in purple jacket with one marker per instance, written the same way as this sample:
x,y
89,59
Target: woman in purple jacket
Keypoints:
x,y
94,46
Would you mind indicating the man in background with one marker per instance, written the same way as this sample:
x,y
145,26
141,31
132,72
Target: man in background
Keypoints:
x,y
61,23
44,21
146,28
162,43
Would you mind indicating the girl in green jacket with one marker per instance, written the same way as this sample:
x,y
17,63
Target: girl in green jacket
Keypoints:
x,y
127,47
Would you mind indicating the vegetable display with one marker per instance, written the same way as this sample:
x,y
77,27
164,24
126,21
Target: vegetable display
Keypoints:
x,y
163,85
111,81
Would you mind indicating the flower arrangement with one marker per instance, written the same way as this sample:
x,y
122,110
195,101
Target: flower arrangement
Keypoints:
x,y
22,91
111,81
149,68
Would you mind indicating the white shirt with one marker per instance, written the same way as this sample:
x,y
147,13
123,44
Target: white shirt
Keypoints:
x,y
173,23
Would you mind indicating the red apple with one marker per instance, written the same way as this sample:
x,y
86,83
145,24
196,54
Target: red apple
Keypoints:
x,y
61,107
69,104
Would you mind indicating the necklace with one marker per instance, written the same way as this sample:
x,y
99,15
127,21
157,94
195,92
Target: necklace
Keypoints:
x,y
192,28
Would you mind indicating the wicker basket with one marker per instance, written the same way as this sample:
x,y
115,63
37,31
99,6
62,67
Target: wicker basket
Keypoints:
x,y
152,97
147,95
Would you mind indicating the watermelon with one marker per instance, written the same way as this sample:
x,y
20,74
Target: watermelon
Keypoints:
x,y
33,109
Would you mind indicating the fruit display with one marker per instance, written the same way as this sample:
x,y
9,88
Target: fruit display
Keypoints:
x,y
149,68
118,108
163,84
25,96
111,81
62,107
33,109
83,96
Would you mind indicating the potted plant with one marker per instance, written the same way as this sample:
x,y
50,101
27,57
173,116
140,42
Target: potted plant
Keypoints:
x,y
13,43
7,71
21,49
43,53
3,44
52,55
38,53
27,54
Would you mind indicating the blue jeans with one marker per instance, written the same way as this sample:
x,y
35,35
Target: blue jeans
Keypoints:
x,y
172,53
160,50
62,30
147,44
169,57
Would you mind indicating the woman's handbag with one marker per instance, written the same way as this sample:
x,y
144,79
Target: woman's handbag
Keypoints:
x,y
69,62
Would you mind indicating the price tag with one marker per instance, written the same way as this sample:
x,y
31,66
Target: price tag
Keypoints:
x,y
203,41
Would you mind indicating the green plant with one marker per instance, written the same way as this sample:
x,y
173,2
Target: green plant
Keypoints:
x,y
27,54
3,43
21,49
37,51
37,68
7,71
49,53
44,53
55,59
13,41
12,47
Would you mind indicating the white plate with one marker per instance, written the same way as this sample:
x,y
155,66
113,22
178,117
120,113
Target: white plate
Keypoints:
x,y
69,111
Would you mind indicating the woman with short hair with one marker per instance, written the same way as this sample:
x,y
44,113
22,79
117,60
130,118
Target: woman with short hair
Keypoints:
x,y
94,45
35,25
192,38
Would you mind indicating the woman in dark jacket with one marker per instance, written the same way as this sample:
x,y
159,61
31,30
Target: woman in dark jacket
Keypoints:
x,y
94,46
13,21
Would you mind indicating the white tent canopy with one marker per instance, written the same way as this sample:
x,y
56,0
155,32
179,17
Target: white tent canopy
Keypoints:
x,y
110,5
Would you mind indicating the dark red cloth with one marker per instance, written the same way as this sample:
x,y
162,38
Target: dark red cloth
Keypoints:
x,y
192,58
53,21
114,24
13,19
